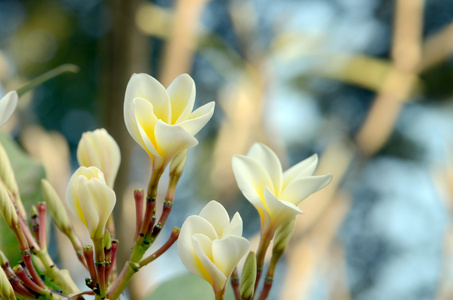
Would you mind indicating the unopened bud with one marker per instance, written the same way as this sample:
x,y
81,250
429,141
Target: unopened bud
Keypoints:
x,y
6,290
107,240
55,206
283,235
8,178
248,277
97,148
3,259
177,164
7,208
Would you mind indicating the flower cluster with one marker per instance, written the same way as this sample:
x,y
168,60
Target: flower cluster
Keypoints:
x,y
210,244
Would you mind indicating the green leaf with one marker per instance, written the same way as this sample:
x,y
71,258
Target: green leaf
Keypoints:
x,y
28,175
187,287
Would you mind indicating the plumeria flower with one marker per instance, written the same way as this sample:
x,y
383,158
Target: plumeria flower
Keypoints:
x,y
99,149
90,199
210,245
7,106
274,193
161,121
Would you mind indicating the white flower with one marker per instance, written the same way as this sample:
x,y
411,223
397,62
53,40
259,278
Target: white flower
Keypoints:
x,y
276,194
99,149
90,199
7,106
161,121
210,246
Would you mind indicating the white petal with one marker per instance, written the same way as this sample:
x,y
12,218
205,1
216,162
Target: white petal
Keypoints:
x,y
216,277
172,139
182,97
7,106
300,189
302,169
270,162
104,200
147,87
193,225
87,205
146,143
215,213
71,190
198,119
235,226
278,210
251,178
227,253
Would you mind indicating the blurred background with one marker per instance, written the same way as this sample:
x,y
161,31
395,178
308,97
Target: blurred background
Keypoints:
x,y
367,85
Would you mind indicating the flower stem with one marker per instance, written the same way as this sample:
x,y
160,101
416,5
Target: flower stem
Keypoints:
x,y
220,295
270,275
235,284
130,268
261,253
171,240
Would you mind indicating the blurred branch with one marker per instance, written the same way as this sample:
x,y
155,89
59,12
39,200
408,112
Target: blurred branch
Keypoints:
x,y
437,48
179,49
66,68
396,88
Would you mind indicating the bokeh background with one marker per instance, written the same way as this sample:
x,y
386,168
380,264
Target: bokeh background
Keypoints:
x,y
367,85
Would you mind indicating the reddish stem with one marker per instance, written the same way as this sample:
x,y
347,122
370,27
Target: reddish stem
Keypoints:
x,y
111,267
35,225
26,258
149,212
24,233
20,272
42,238
88,253
15,282
171,240
138,196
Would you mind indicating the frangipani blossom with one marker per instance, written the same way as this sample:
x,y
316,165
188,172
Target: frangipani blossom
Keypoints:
x,y
98,148
161,121
7,106
90,199
210,245
274,193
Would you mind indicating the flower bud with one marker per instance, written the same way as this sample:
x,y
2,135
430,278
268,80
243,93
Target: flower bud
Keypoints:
x,y
55,206
7,106
99,149
283,235
6,290
90,199
7,208
248,277
107,240
8,178
3,259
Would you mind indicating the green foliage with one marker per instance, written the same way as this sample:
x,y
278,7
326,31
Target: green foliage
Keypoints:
x,y
187,287
28,175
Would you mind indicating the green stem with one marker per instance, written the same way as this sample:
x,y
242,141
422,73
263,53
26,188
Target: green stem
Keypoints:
x,y
61,278
270,275
265,240
46,76
100,266
130,268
